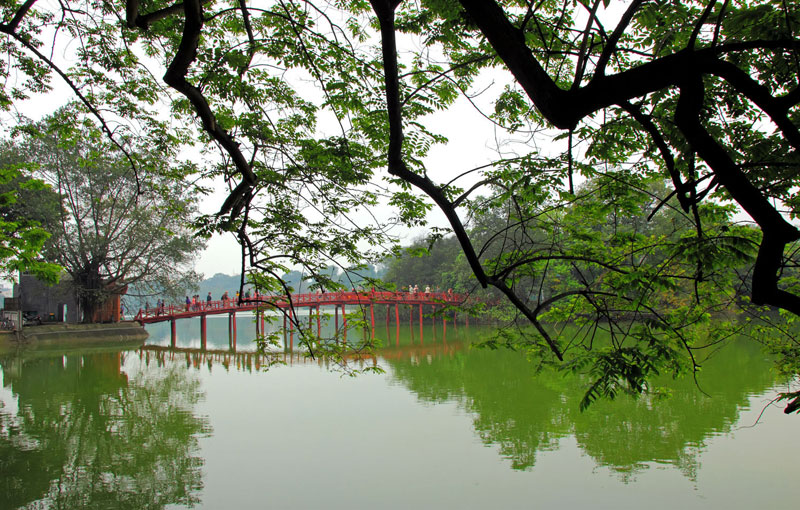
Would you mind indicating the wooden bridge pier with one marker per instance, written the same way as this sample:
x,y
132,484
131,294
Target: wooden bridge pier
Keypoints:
x,y
421,323
232,330
372,319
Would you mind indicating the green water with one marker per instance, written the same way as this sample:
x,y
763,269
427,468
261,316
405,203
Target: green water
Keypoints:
x,y
446,426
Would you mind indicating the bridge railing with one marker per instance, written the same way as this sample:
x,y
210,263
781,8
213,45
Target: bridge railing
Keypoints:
x,y
354,297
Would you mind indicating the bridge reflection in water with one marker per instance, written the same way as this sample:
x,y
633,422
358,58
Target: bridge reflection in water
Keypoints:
x,y
393,343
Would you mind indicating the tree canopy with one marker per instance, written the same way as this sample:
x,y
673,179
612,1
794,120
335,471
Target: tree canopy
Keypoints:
x,y
305,104
107,229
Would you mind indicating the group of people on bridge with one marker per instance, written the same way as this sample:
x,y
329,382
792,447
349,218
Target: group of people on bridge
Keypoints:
x,y
414,289
196,303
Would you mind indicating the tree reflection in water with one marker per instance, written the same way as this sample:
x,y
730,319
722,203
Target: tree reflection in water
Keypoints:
x,y
86,435
525,413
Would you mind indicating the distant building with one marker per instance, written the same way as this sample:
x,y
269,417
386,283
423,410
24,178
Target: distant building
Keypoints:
x,y
59,303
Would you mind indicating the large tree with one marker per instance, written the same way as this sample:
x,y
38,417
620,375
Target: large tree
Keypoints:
x,y
702,93
113,228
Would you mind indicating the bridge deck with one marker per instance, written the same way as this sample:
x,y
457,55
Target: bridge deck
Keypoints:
x,y
311,300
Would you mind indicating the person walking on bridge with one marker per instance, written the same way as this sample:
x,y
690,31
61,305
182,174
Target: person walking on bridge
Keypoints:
x,y
208,300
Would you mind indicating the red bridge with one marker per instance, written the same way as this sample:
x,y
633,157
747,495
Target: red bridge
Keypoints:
x,y
295,301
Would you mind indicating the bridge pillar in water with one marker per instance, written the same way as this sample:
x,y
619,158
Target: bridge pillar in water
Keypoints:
x,y
203,330
336,318
420,322
372,318
344,323
292,320
285,345
411,321
232,330
173,333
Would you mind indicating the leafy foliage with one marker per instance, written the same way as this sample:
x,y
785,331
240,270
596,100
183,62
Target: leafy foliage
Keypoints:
x,y
297,110
23,200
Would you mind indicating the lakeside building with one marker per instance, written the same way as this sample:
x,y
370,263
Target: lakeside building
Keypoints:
x,y
59,303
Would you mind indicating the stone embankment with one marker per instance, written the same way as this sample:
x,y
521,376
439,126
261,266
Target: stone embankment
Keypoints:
x,y
60,336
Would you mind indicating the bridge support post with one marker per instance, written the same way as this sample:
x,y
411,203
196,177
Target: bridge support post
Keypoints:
x,y
433,320
344,322
372,318
420,322
232,330
203,331
336,318
411,321
319,323
173,333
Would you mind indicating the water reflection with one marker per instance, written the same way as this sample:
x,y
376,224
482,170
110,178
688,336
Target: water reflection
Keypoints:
x,y
525,414
132,429
86,434
241,360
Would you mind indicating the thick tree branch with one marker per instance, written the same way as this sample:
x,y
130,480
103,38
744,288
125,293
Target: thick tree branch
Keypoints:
x,y
12,25
175,77
666,154
760,95
143,21
777,232
613,40
384,9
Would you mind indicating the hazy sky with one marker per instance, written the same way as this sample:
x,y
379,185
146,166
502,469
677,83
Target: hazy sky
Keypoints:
x,y
470,136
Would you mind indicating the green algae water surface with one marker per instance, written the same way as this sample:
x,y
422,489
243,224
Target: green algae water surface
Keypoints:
x,y
447,426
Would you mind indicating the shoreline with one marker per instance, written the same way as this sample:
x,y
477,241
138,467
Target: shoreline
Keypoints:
x,y
53,337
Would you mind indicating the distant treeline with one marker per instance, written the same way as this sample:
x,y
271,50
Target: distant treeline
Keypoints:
x,y
220,283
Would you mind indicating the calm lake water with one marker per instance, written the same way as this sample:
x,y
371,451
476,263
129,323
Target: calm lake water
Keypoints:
x,y
447,426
